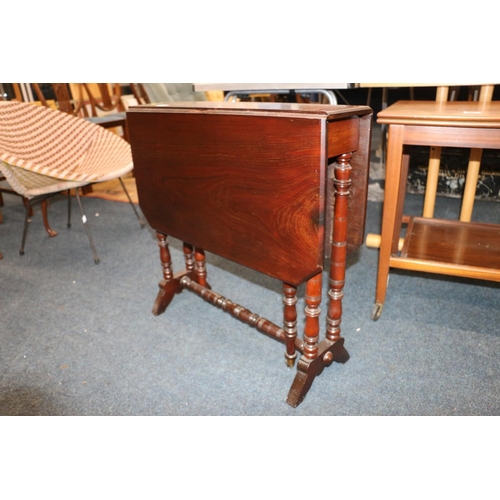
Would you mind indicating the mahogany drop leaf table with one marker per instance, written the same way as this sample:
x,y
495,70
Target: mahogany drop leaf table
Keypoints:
x,y
279,188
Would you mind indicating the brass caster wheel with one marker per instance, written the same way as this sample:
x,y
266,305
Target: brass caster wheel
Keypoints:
x,y
377,311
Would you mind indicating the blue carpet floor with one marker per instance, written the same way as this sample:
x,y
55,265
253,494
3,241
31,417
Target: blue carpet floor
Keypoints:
x,y
79,339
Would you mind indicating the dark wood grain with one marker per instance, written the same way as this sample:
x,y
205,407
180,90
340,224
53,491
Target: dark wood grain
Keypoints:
x,y
453,242
248,187
275,188
358,191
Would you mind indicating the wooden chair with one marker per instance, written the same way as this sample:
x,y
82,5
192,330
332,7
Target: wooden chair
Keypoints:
x,y
63,100
106,108
93,102
140,94
104,99
44,152
169,92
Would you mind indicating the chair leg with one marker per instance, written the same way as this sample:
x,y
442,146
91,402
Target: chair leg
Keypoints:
x,y
87,229
139,218
27,205
45,216
69,208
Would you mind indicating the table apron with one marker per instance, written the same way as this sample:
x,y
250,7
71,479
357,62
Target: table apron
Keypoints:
x,y
461,137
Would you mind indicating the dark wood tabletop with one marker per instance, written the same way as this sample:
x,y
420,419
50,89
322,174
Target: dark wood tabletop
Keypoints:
x,y
247,181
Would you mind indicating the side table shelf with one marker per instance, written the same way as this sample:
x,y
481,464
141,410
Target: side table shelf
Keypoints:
x,y
454,248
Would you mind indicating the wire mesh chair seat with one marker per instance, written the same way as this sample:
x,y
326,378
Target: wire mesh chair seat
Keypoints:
x,y
44,152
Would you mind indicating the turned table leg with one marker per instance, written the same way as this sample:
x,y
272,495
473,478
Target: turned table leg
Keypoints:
x,y
200,270
342,183
290,322
168,285
312,311
194,259
188,256
318,355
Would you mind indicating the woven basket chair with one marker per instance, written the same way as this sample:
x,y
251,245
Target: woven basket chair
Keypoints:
x,y
44,152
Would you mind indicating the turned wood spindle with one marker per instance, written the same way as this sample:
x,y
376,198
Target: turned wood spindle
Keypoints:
x,y
200,269
290,322
263,325
188,256
165,257
342,183
312,310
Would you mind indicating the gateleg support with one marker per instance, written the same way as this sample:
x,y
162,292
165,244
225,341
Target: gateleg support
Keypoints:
x,y
318,355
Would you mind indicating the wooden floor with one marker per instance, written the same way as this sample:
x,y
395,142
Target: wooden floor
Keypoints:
x,y
113,191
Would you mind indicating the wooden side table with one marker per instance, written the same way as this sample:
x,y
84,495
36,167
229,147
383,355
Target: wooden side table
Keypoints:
x,y
265,185
455,248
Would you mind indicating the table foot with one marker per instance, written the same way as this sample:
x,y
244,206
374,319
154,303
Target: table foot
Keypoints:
x,y
167,291
377,311
309,369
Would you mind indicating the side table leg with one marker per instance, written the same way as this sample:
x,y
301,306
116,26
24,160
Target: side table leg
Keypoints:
x,y
389,214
